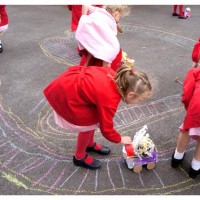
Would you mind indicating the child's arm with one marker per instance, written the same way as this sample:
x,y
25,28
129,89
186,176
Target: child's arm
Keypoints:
x,y
106,115
188,88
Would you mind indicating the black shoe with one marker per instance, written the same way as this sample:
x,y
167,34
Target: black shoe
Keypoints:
x,y
1,48
176,162
193,173
103,151
182,17
175,14
94,165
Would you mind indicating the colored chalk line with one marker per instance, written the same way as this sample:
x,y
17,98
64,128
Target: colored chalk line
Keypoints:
x,y
46,133
37,162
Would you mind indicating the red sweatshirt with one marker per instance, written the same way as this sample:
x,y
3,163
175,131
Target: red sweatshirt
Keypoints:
x,y
191,98
3,16
85,96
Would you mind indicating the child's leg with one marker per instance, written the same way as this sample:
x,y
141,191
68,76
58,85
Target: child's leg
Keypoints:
x,y
182,142
92,143
175,8
181,13
98,148
82,143
81,158
86,58
196,160
1,46
195,164
89,57
197,151
175,11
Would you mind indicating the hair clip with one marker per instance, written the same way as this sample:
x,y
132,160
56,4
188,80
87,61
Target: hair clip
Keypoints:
x,y
131,72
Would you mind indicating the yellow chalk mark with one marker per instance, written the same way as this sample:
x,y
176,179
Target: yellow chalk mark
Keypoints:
x,y
57,190
20,124
12,179
43,117
49,55
184,171
46,187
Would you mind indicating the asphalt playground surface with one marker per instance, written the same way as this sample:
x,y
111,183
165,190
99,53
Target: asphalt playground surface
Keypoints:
x,y
36,155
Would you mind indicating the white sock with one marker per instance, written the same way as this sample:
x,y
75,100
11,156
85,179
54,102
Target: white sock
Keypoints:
x,y
178,155
195,164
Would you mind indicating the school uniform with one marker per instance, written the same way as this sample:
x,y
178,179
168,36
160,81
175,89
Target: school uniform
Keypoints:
x,y
190,99
85,96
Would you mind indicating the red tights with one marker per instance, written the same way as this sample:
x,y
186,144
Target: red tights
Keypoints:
x,y
84,140
181,12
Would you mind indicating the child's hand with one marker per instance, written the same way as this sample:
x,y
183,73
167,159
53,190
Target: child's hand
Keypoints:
x,y
126,140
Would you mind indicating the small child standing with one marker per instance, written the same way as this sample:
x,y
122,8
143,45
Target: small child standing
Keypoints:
x,y
181,12
191,125
97,34
86,98
3,23
76,13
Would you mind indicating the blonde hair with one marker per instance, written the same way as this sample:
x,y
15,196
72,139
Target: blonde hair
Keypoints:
x,y
129,80
122,9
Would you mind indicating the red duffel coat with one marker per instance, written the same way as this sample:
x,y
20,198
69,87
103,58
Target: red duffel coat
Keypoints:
x,y
85,96
3,16
191,98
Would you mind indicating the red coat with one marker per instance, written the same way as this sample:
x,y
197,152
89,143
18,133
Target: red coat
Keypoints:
x,y
196,52
85,96
76,14
191,98
3,16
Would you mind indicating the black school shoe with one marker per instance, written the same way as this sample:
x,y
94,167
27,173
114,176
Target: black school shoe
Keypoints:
x,y
176,162
81,163
175,14
103,151
182,17
193,173
1,48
